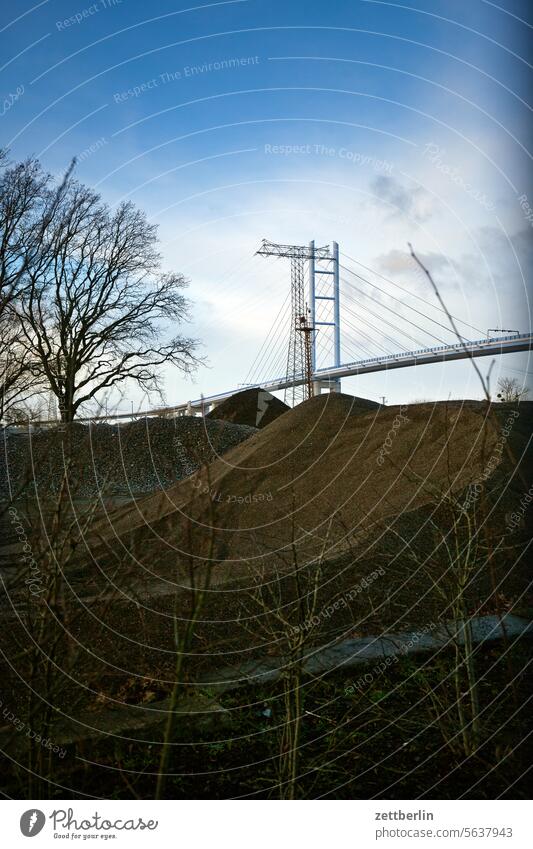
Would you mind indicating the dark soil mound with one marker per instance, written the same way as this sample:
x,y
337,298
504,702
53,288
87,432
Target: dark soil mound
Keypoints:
x,y
326,469
252,407
360,507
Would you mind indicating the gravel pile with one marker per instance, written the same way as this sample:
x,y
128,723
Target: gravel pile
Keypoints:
x,y
253,407
139,457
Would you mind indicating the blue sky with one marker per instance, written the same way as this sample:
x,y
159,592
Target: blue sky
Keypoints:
x,y
372,123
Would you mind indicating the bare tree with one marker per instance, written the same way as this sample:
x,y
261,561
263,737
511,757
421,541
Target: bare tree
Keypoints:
x,y
22,192
510,390
95,301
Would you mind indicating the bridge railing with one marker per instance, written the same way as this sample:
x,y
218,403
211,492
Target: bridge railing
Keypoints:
x,y
457,346
467,345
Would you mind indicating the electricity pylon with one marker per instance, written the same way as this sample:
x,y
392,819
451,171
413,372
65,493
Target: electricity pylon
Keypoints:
x,y
301,337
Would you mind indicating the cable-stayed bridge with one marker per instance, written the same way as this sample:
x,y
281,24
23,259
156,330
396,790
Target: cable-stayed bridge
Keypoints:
x,y
340,319
329,377
354,321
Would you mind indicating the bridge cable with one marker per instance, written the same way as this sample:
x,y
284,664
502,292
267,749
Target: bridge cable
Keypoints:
x,y
384,306
408,306
370,339
356,314
412,294
273,330
388,323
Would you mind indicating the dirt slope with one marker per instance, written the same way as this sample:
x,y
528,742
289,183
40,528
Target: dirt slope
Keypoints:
x,y
367,489
323,471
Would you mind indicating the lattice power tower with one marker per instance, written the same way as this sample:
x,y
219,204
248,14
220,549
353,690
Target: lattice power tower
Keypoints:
x,y
301,359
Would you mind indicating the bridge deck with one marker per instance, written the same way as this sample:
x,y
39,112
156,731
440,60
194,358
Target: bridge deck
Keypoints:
x,y
423,356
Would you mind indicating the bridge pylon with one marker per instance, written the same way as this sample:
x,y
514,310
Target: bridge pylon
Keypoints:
x,y
324,287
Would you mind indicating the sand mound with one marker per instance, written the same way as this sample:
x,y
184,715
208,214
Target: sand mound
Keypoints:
x,y
252,407
367,490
